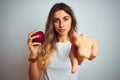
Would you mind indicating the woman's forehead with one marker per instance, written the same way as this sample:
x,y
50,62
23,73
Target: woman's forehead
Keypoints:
x,y
60,13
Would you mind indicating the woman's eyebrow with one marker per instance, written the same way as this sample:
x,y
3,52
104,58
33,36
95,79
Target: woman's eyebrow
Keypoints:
x,y
58,18
66,16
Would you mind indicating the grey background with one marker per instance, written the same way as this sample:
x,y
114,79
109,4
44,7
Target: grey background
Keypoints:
x,y
99,19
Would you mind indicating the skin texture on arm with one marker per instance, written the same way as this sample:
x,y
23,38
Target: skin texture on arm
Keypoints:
x,y
34,72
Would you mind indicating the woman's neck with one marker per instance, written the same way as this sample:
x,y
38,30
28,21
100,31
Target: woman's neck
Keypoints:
x,y
63,38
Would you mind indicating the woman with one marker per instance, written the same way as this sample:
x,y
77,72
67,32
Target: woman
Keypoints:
x,y
63,49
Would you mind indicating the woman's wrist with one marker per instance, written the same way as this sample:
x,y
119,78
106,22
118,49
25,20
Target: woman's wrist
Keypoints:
x,y
33,57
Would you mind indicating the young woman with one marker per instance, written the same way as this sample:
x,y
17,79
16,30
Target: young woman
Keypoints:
x,y
63,49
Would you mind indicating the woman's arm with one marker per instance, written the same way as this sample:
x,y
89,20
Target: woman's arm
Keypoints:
x,y
34,71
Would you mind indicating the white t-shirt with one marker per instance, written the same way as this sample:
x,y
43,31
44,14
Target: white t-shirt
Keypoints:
x,y
60,67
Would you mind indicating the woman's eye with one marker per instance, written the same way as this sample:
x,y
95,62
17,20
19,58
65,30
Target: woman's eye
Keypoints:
x,y
55,20
65,18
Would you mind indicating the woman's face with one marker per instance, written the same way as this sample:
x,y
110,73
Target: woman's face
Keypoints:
x,y
62,22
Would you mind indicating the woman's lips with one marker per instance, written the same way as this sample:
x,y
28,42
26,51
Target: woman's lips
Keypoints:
x,y
62,30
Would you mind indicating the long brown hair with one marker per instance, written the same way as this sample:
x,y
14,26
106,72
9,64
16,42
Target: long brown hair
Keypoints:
x,y
47,48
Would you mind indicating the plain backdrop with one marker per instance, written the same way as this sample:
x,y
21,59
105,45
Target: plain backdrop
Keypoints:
x,y
99,19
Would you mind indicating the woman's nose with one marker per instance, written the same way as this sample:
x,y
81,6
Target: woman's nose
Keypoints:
x,y
61,24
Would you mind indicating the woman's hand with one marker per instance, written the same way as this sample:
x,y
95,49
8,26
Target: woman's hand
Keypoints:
x,y
83,47
33,46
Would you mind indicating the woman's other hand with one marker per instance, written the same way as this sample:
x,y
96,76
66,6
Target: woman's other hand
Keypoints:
x,y
83,47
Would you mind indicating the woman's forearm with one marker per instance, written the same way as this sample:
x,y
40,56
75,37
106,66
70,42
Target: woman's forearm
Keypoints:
x,y
34,71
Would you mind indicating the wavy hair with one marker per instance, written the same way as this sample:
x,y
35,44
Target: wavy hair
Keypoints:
x,y
49,45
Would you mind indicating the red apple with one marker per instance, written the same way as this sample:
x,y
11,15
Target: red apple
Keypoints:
x,y
41,37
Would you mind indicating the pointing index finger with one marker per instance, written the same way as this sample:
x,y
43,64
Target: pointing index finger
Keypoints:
x,y
74,60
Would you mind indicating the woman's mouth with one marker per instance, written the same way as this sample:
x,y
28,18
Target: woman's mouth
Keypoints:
x,y
62,30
